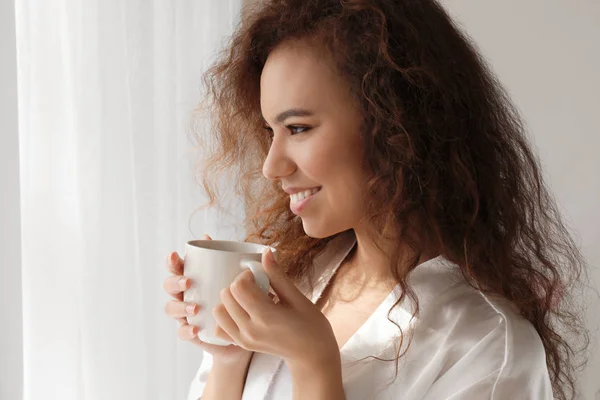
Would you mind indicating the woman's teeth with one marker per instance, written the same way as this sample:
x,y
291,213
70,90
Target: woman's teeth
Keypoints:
x,y
296,197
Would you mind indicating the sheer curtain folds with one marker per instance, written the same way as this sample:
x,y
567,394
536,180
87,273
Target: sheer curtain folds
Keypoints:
x,y
106,90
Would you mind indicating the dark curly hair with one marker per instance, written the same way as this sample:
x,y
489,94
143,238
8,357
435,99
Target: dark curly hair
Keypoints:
x,y
445,147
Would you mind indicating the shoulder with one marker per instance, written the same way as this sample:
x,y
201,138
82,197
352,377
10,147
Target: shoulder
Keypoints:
x,y
480,334
522,360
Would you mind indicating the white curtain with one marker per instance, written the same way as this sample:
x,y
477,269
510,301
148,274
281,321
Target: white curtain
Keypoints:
x,y
106,92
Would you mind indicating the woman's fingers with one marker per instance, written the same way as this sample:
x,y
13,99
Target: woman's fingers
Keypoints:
x,y
221,334
233,307
176,285
187,332
179,309
213,348
226,328
175,263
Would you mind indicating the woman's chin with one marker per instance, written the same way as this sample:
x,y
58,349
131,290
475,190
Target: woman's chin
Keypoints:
x,y
318,231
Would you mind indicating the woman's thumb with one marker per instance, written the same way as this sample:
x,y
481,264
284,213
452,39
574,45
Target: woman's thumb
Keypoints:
x,y
281,284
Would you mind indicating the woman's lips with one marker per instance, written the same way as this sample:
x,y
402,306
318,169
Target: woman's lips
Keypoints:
x,y
299,200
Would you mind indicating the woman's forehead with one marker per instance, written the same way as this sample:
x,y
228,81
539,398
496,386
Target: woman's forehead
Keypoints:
x,y
298,75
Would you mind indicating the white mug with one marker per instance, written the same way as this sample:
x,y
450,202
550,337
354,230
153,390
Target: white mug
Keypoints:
x,y
213,265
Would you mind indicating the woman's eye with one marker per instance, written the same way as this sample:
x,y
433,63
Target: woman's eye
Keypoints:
x,y
297,129
292,128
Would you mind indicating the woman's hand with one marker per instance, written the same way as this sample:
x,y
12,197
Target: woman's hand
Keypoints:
x,y
293,329
175,285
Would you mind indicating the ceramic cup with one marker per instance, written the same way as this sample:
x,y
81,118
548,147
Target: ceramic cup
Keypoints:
x,y
213,265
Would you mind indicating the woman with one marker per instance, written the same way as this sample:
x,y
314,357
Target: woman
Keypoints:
x,y
420,255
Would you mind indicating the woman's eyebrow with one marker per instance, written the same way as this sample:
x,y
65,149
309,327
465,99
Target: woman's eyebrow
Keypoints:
x,y
292,112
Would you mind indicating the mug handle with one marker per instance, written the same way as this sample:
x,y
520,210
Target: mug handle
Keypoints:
x,y
260,277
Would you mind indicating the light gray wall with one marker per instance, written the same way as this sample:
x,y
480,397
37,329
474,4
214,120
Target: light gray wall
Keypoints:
x,y
11,364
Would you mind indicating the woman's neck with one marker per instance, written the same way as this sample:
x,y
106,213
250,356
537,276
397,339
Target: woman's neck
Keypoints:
x,y
370,264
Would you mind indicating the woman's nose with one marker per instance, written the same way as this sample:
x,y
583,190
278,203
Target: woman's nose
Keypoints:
x,y
278,163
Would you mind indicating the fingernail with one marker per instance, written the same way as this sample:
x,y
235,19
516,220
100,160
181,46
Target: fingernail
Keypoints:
x,y
190,309
182,283
269,254
192,331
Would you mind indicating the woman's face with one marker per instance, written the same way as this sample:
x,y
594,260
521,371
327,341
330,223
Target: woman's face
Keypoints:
x,y
316,150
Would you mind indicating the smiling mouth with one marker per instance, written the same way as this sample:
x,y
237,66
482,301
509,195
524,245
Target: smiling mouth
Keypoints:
x,y
298,197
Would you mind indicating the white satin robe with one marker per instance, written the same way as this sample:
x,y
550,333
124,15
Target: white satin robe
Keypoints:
x,y
466,345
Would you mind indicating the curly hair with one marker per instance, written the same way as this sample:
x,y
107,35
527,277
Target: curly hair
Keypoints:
x,y
446,151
